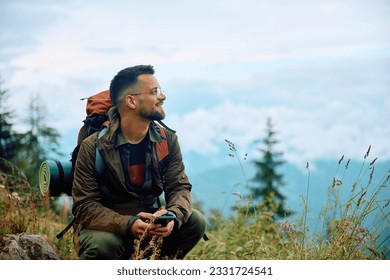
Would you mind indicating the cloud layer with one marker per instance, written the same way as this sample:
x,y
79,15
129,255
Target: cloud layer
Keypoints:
x,y
320,70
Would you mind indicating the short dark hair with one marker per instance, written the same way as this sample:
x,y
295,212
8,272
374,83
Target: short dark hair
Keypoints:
x,y
126,78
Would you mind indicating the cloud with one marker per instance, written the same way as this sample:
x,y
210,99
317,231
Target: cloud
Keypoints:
x,y
329,136
226,32
319,69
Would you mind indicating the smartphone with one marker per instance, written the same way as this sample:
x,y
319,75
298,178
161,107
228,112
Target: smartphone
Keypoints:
x,y
164,219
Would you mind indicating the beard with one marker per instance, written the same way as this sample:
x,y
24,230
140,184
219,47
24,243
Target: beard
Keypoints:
x,y
153,115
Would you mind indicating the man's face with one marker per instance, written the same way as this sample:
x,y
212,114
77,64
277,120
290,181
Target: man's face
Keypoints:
x,y
150,100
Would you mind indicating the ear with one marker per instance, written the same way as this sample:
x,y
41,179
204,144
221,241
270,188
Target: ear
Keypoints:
x,y
130,101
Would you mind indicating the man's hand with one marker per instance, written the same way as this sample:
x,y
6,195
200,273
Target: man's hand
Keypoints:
x,y
141,226
146,226
161,230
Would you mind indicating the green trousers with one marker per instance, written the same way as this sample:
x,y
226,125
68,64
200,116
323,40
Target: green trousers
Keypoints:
x,y
110,246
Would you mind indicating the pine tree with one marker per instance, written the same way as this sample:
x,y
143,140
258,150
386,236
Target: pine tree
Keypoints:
x,y
9,143
266,193
11,176
39,142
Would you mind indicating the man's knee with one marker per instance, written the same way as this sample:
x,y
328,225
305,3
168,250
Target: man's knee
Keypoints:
x,y
198,220
193,230
100,245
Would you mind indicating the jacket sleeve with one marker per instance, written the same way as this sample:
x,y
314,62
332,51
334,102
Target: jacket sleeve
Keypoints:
x,y
177,186
88,209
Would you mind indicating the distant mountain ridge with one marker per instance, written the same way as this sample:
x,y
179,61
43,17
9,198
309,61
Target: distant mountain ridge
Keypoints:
x,y
215,187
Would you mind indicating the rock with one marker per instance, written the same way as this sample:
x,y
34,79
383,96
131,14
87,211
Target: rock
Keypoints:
x,y
25,246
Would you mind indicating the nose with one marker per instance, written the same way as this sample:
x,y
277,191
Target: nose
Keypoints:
x,y
162,96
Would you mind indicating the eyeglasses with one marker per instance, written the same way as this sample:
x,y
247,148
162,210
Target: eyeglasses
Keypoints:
x,y
156,91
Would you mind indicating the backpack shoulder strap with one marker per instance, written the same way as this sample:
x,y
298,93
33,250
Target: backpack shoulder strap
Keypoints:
x,y
100,164
162,147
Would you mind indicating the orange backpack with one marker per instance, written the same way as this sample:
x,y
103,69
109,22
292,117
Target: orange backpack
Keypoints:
x,y
97,108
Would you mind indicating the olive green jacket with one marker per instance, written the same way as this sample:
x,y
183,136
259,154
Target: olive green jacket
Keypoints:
x,y
111,211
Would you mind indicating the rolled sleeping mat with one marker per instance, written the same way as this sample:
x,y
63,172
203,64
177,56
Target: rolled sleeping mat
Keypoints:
x,y
55,177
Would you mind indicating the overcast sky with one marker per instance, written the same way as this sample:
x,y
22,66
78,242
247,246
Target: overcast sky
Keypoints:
x,y
320,69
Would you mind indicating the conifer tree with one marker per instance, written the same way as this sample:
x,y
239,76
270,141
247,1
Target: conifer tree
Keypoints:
x,y
39,142
11,176
9,143
266,193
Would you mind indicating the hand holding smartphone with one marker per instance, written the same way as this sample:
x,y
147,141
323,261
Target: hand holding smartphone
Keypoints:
x,y
165,219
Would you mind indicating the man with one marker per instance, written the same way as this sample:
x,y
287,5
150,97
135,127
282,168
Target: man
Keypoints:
x,y
142,161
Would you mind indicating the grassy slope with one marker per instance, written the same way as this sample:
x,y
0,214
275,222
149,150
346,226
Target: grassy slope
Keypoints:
x,y
343,234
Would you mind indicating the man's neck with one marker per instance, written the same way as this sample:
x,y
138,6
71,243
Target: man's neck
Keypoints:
x,y
134,129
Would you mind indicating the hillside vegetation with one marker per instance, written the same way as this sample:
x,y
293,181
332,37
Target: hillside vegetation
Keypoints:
x,y
343,231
